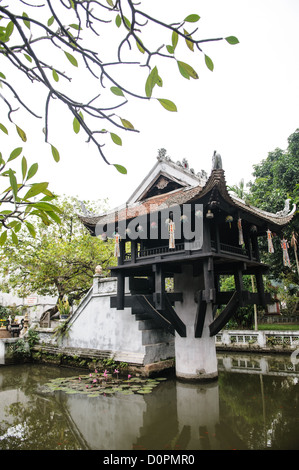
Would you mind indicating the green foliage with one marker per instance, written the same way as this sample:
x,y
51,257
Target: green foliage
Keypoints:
x,y
243,318
21,199
4,313
64,307
276,179
59,261
32,337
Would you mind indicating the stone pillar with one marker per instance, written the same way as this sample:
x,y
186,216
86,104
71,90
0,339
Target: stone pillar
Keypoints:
x,y
195,358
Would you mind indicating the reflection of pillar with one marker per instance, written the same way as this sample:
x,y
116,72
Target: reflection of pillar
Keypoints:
x,y
198,415
195,358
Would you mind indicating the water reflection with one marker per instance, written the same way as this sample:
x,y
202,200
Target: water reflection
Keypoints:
x,y
253,405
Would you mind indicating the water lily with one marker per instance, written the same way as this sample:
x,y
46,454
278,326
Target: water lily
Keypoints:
x,y
129,376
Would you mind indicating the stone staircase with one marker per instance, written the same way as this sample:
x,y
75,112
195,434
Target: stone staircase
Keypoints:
x,y
158,342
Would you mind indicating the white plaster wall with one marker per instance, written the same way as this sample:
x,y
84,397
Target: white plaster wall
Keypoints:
x,y
97,326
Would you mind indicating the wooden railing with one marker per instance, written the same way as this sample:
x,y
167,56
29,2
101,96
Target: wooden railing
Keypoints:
x,y
180,247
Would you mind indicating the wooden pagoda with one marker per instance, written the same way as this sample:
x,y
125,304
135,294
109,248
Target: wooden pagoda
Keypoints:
x,y
152,248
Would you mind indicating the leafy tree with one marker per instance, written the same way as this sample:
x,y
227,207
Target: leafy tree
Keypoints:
x,y
60,261
52,44
49,49
276,179
18,197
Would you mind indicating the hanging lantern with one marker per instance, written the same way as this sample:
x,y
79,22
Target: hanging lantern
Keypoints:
x,y
209,214
154,225
167,221
198,213
228,220
184,219
116,244
270,243
171,229
128,231
294,246
285,254
139,228
241,239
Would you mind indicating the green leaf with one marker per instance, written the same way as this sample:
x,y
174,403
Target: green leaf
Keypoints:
x,y
17,227
209,63
13,183
120,168
192,18
167,104
117,91
3,238
116,139
15,153
54,217
151,82
35,189
127,23
46,206
31,229
55,153
232,40
189,43
187,71
126,124
110,2
71,58
55,75
76,125
75,26
26,22
140,45
14,237
50,21
28,57
24,167
3,129
32,170
8,31
170,49
2,75
118,21
21,133
174,39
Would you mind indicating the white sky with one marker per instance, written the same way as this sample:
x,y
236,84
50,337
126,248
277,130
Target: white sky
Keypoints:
x,y
245,108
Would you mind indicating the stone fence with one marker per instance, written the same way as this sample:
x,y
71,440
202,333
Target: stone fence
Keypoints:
x,y
267,340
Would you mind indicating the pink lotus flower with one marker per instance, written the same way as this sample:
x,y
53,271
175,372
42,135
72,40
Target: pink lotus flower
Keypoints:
x,y
94,381
96,371
129,376
116,371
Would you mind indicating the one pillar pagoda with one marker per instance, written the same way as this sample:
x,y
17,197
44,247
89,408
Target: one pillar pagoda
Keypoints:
x,y
186,229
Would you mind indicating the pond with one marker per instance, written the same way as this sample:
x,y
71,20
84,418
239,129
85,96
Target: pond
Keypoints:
x,y
253,405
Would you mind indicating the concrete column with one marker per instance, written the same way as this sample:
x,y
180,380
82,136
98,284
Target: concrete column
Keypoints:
x,y
195,358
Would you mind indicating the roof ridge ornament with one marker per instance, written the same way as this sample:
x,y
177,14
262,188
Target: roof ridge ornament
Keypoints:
x,y
216,161
285,210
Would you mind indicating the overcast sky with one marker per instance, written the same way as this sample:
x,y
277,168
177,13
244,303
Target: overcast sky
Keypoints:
x,y
245,108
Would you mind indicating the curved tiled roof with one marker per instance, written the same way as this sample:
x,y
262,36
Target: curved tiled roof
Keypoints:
x,y
215,182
